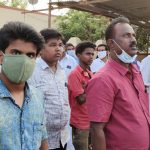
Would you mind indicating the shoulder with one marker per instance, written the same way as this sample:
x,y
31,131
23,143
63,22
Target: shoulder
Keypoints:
x,y
145,62
95,61
74,72
106,75
36,94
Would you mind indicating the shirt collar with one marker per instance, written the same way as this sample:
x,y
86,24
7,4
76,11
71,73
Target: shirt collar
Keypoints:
x,y
66,56
122,69
4,92
85,73
42,63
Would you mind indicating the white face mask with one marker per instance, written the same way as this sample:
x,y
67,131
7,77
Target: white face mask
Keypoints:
x,y
102,54
124,57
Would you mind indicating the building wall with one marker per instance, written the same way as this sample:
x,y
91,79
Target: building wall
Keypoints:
x,y
37,20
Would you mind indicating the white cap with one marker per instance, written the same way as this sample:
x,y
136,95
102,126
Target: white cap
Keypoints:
x,y
74,40
98,42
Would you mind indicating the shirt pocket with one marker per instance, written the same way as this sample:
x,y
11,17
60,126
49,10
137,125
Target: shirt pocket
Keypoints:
x,y
37,136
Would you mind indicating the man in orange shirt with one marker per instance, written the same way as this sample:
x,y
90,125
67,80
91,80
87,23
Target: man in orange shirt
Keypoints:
x,y
77,83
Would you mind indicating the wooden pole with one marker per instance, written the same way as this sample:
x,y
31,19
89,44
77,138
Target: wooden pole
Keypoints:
x,y
49,14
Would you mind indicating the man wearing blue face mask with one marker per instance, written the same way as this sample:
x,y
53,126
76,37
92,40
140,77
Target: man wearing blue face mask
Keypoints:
x,y
70,49
99,62
22,123
116,98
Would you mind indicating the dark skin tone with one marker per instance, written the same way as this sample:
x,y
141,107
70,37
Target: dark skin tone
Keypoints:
x,y
19,47
85,60
124,35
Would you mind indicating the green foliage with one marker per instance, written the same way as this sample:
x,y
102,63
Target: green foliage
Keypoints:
x,y
3,2
83,25
19,3
15,3
143,39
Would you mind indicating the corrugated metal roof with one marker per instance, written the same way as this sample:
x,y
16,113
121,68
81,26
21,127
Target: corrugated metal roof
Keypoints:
x,y
138,11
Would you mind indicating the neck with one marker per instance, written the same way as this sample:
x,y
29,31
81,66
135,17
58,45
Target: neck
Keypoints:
x,y
63,55
84,66
12,87
104,59
120,62
53,66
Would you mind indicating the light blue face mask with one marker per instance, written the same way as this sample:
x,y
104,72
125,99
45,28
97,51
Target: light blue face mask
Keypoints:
x,y
124,57
102,54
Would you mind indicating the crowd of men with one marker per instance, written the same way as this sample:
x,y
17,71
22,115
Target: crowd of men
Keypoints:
x,y
55,96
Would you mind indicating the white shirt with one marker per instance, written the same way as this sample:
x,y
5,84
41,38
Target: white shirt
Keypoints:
x,y
57,110
97,65
68,63
72,53
145,70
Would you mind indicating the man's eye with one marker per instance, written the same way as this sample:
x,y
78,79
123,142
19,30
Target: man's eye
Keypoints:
x,y
16,53
31,55
52,45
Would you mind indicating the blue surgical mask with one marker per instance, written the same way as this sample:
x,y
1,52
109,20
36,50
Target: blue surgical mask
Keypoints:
x,y
102,54
124,57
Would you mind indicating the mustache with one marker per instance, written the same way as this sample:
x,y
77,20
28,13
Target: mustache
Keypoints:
x,y
133,44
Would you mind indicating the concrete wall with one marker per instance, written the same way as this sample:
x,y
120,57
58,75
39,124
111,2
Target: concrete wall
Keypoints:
x,y
37,20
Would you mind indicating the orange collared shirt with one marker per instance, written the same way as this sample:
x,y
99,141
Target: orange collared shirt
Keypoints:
x,y
77,83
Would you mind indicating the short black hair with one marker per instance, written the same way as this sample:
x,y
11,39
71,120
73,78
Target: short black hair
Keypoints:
x,y
69,44
102,45
110,29
83,45
51,34
17,30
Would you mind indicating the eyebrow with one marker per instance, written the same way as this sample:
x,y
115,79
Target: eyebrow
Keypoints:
x,y
17,50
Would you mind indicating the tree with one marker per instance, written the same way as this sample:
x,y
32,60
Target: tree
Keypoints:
x,y
19,3
15,3
143,39
3,2
83,25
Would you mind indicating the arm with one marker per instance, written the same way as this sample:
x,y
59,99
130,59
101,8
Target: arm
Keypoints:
x,y
98,136
44,145
81,99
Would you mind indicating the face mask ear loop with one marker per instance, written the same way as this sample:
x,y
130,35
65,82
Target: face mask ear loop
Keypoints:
x,y
3,55
2,52
118,46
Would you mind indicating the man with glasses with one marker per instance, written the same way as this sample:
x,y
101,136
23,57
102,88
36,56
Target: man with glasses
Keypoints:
x,y
50,78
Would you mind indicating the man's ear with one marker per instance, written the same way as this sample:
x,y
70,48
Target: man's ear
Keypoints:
x,y
110,44
1,57
78,55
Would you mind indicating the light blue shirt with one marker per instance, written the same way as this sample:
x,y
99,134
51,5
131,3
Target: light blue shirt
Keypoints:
x,y
97,65
68,63
21,128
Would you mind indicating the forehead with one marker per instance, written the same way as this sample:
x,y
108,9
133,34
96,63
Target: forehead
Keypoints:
x,y
89,50
54,41
123,28
70,46
22,46
101,47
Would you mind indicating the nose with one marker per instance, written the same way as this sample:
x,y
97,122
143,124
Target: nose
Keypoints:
x,y
133,39
58,48
92,56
